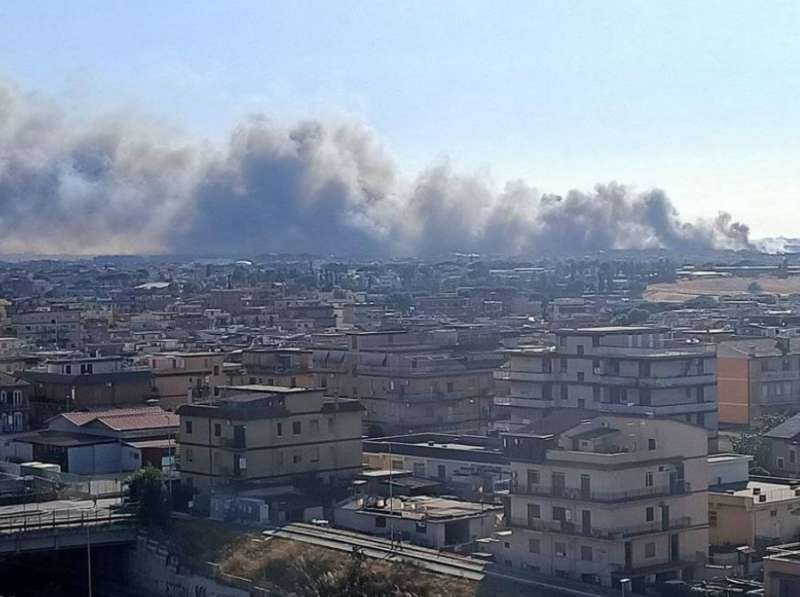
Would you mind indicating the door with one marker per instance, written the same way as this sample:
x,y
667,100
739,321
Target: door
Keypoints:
x,y
586,487
559,483
674,548
628,555
664,518
586,522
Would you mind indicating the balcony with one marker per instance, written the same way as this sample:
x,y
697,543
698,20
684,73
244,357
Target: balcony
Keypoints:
x,y
506,375
655,382
579,494
659,410
233,443
524,401
571,528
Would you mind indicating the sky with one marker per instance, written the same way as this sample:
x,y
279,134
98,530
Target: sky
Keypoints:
x,y
696,98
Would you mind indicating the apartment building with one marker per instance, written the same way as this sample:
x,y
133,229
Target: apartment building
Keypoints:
x,y
784,447
411,381
757,376
606,498
289,367
62,385
614,370
181,377
15,407
269,435
47,328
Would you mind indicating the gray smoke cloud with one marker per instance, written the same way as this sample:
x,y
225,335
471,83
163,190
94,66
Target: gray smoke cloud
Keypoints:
x,y
117,184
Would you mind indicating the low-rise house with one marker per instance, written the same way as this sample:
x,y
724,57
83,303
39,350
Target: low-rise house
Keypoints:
x,y
756,511
782,571
424,520
103,442
784,447
467,465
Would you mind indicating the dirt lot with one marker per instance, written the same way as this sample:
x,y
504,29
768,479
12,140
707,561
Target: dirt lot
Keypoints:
x,y
684,290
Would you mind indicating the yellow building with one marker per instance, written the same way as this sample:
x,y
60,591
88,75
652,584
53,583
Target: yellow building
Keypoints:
x,y
754,513
181,377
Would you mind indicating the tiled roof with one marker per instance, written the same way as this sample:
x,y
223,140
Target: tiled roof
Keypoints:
x,y
125,419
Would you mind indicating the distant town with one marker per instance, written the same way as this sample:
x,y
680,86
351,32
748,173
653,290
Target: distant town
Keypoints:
x,y
625,423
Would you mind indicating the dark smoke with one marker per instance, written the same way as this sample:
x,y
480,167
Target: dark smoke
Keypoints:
x,y
120,185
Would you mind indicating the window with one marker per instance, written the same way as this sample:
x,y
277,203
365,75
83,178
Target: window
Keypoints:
x,y
534,512
773,513
217,429
792,456
297,458
586,553
533,478
595,341
188,427
188,453
331,423
580,350
712,518
651,444
534,546
3,397
560,549
650,514
313,426
419,469
596,393
380,521
564,392
581,376
450,386
780,462
563,364
650,550
648,479
297,428
559,513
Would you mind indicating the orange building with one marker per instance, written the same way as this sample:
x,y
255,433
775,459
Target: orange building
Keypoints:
x,y
757,376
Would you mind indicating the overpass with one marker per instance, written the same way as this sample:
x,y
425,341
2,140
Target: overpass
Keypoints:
x,y
62,525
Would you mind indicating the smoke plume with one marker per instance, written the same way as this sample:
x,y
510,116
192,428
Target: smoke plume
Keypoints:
x,y
118,185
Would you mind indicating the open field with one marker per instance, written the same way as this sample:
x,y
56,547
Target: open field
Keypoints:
x,y
684,290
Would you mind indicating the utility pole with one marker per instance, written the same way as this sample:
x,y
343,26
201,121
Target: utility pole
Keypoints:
x,y
89,559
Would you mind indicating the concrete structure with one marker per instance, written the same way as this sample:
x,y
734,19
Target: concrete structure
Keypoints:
x,y
606,498
269,435
423,520
103,442
782,571
468,466
48,328
616,370
289,367
757,376
15,407
62,385
182,377
409,381
784,447
755,511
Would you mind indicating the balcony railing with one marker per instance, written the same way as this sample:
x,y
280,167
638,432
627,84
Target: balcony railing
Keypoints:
x,y
571,528
577,493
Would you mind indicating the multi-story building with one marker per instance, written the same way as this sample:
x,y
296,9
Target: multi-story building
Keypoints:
x,y
607,498
62,385
290,367
412,381
757,376
181,377
15,409
47,328
269,435
615,370
784,447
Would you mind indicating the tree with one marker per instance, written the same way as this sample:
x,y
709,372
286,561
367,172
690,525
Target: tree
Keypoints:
x,y
753,442
754,288
147,491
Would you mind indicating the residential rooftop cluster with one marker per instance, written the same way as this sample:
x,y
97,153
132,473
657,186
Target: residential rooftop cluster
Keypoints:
x,y
558,418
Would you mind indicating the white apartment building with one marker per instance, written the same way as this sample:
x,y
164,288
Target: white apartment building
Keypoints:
x,y
607,498
614,370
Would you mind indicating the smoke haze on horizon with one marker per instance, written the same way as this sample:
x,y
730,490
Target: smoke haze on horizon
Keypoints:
x,y
115,184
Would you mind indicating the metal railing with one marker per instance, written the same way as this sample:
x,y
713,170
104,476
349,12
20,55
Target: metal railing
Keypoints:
x,y
589,495
572,528
23,522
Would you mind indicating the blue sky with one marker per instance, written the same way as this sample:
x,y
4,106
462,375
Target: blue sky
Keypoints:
x,y
698,98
